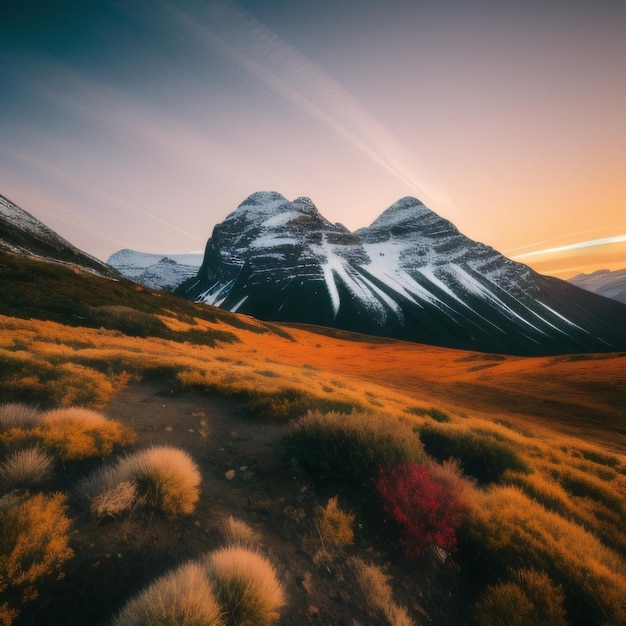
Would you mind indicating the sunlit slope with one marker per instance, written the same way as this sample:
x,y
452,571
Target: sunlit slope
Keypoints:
x,y
134,331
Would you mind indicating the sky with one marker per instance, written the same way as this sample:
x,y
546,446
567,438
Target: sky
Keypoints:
x,y
143,123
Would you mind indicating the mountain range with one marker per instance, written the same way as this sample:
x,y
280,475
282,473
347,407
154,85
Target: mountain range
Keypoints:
x,y
157,271
410,275
610,284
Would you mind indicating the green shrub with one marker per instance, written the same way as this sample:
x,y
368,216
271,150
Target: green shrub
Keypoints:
x,y
291,404
129,321
246,586
25,468
530,598
351,447
480,455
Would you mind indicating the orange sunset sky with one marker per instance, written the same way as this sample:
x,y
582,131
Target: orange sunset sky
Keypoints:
x,y
133,124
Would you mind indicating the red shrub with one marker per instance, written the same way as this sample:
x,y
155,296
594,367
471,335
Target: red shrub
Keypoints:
x,y
424,510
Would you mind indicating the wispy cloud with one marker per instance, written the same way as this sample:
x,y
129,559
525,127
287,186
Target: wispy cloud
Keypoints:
x,y
245,41
574,246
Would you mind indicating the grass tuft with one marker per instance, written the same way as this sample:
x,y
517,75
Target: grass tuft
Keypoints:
x,y
162,478
246,585
183,597
26,468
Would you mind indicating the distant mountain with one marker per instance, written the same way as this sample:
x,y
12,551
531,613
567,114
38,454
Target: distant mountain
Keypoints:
x,y
409,275
157,271
604,283
22,233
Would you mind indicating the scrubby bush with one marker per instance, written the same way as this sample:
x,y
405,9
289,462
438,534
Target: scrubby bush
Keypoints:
x,y
423,511
246,586
481,456
335,525
34,544
377,593
351,447
162,478
25,468
530,598
183,597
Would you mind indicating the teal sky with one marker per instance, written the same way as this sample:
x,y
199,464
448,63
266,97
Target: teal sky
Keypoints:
x,y
141,124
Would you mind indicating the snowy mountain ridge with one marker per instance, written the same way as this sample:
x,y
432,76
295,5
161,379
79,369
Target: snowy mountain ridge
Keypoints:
x,y
157,271
410,275
610,284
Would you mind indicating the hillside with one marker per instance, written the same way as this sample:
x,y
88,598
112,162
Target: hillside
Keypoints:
x,y
541,441
21,232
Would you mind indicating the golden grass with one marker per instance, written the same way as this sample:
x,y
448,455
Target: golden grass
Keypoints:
x,y
77,433
513,530
562,416
34,544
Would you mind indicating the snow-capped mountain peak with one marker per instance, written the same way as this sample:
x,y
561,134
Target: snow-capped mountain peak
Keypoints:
x,y
411,274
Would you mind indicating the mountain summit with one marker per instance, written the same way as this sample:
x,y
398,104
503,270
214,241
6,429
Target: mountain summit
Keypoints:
x,y
409,275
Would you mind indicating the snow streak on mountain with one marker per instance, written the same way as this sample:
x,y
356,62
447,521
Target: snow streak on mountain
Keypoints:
x,y
409,275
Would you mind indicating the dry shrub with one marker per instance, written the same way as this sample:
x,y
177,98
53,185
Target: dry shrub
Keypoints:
x,y
25,468
238,533
246,585
17,415
34,536
374,584
183,597
335,525
530,598
77,433
162,477
115,500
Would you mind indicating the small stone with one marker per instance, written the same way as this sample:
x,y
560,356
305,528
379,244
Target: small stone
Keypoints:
x,y
230,474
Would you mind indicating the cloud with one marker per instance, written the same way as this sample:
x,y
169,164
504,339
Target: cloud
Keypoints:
x,y
574,246
246,42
